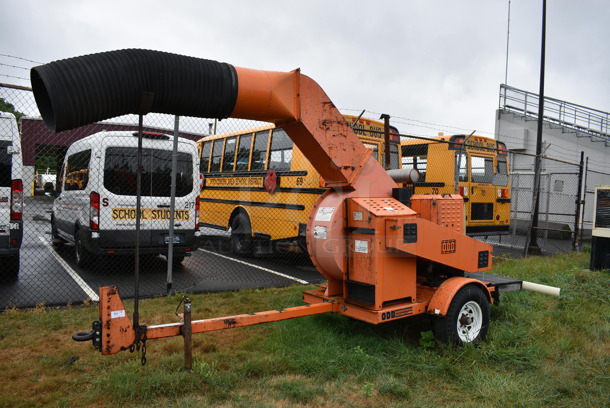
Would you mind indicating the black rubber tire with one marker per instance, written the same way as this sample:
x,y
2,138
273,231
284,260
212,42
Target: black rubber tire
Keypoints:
x,y
56,240
242,242
11,273
177,259
83,257
467,319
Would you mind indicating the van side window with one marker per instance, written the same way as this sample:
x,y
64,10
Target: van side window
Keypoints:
x,y
77,170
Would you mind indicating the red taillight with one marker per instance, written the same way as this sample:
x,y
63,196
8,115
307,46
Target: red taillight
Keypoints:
x,y
502,193
94,211
197,206
16,200
201,181
463,191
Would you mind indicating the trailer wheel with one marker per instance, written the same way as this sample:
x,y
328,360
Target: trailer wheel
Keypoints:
x,y
467,319
241,236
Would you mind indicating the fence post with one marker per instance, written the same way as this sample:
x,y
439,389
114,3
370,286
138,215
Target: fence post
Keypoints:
x,y
577,232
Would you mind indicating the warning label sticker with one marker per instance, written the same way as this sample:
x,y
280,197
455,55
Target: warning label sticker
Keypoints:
x,y
324,213
319,231
361,246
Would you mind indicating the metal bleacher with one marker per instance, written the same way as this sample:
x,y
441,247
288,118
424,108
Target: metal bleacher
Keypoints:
x,y
570,117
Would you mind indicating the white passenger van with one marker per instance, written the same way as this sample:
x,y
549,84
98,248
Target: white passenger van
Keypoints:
x,y
95,202
11,197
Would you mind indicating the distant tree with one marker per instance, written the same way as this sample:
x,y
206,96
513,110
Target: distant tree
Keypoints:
x,y
8,107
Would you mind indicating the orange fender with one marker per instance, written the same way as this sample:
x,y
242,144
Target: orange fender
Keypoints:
x,y
441,300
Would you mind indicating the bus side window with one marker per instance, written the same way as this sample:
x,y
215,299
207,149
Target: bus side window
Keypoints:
x,y
281,150
228,162
206,148
482,169
394,164
216,155
259,152
243,152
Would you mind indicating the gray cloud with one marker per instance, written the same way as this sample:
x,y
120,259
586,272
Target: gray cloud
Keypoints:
x,y
437,62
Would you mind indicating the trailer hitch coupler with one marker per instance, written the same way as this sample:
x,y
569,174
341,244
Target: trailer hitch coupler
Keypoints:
x,y
83,336
95,335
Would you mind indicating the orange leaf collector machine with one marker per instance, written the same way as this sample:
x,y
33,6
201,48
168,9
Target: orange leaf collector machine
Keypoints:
x,y
386,254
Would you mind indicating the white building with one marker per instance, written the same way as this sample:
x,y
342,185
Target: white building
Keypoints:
x,y
569,130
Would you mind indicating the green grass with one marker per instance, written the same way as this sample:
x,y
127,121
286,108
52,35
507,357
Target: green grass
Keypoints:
x,y
541,351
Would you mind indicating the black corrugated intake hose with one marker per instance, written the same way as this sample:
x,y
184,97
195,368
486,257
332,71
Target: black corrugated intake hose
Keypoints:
x,y
78,91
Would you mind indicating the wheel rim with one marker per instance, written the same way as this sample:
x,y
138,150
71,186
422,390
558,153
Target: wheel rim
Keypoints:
x,y
469,321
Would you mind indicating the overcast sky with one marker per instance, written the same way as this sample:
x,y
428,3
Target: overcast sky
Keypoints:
x,y
432,65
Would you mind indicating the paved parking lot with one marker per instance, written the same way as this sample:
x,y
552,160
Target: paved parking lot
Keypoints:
x,y
49,275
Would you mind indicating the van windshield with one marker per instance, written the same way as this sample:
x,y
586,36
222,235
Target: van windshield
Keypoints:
x,y
5,165
120,172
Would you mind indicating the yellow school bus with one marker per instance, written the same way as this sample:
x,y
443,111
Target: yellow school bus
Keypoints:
x,y
259,186
479,167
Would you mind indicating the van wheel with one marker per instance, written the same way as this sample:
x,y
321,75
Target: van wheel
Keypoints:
x,y
12,271
83,257
467,319
241,236
56,241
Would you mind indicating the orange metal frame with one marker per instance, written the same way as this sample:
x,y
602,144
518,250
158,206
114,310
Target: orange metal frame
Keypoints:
x,y
118,333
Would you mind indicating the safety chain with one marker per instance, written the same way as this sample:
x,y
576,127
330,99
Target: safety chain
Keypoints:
x,y
143,352
140,343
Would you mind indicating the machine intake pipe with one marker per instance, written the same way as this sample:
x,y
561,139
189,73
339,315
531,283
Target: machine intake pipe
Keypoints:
x,y
83,90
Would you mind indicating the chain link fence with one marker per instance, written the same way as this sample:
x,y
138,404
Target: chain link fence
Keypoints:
x,y
79,213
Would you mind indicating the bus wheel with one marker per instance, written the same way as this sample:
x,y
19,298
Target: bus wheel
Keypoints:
x,y
467,319
83,257
241,236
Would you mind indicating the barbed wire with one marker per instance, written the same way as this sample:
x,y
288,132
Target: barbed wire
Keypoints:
x,y
14,66
20,58
14,76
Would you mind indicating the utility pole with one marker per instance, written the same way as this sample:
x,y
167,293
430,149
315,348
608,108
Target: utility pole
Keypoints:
x,y
533,248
